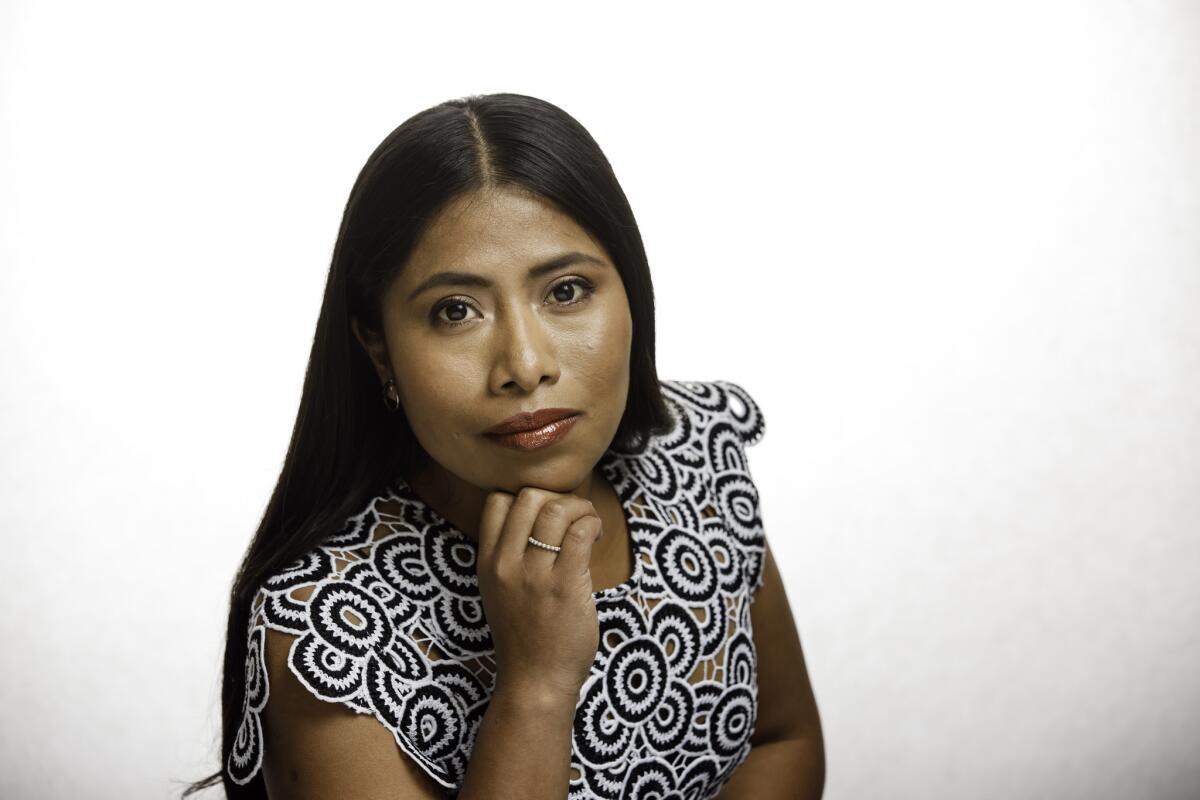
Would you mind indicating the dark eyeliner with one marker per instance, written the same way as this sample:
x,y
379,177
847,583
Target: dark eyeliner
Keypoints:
x,y
587,289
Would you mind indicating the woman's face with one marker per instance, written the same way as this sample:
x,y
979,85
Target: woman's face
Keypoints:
x,y
474,333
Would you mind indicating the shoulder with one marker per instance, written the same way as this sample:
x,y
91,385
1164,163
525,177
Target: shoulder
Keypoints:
x,y
716,421
718,402
347,625
717,418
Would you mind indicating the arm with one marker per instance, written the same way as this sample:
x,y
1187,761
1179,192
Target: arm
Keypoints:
x,y
787,756
523,749
317,749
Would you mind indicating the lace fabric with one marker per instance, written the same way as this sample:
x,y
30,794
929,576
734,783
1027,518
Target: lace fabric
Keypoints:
x,y
389,622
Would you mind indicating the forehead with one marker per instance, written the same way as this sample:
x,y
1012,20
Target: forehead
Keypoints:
x,y
495,229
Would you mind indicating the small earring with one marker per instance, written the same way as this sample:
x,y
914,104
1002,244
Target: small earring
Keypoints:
x,y
387,400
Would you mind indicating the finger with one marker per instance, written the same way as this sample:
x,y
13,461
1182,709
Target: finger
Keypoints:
x,y
514,536
556,515
554,520
491,522
576,555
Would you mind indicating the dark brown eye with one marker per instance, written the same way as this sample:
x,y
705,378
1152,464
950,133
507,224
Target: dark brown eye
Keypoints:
x,y
567,289
456,313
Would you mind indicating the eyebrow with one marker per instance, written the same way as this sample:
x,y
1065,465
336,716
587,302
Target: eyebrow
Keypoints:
x,y
471,279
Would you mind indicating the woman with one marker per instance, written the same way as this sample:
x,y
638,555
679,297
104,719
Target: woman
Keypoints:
x,y
503,558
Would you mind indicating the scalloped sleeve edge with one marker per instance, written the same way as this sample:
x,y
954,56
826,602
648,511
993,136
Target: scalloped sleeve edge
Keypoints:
x,y
745,415
246,758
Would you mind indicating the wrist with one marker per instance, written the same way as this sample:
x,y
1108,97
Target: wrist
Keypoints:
x,y
535,696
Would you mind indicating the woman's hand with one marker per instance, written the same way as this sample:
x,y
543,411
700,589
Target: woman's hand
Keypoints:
x,y
539,603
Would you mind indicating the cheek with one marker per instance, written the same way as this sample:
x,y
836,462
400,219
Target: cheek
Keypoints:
x,y
606,337
597,356
430,365
429,388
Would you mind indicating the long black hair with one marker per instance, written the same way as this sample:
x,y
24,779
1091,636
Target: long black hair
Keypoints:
x,y
345,444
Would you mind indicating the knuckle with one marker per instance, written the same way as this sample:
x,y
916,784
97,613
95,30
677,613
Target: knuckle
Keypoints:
x,y
497,499
528,496
499,572
538,584
580,534
555,509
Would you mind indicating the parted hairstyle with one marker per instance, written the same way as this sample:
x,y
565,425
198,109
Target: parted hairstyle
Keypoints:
x,y
345,444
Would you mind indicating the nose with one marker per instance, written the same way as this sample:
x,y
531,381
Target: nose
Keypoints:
x,y
524,351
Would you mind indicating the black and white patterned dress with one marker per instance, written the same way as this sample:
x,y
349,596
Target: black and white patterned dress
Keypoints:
x,y
392,623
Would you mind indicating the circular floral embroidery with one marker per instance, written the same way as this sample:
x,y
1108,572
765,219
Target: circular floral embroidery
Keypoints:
x,y
392,623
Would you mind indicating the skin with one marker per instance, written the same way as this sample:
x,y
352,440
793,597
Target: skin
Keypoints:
x,y
523,344
526,344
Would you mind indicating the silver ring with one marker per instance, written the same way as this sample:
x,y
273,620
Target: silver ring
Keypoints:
x,y
543,545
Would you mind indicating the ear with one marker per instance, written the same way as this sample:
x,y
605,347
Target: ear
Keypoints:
x,y
373,342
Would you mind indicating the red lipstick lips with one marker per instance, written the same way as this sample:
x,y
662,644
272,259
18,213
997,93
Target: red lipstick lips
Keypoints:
x,y
534,430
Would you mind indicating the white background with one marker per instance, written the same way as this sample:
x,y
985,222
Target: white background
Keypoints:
x,y
953,249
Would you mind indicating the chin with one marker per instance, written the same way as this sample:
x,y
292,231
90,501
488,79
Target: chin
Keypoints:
x,y
562,474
